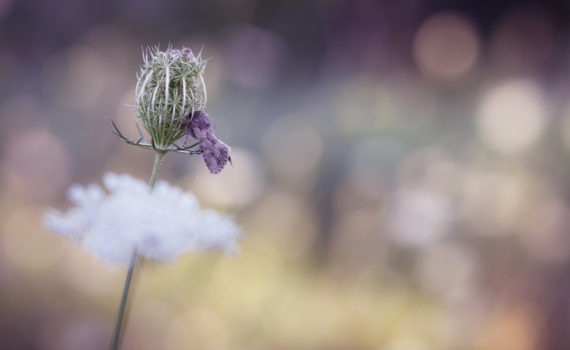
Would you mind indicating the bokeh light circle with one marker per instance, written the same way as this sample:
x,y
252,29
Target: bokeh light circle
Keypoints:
x,y
446,46
512,116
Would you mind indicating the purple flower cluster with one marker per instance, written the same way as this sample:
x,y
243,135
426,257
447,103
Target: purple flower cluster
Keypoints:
x,y
174,54
216,153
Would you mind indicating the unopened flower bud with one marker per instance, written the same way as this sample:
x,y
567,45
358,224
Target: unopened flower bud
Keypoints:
x,y
170,87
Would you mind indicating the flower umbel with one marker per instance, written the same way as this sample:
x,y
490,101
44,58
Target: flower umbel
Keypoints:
x,y
170,94
170,87
159,224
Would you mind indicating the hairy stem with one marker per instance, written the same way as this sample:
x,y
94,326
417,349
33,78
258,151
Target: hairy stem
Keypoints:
x,y
134,258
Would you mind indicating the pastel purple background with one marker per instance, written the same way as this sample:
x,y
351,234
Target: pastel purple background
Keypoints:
x,y
400,169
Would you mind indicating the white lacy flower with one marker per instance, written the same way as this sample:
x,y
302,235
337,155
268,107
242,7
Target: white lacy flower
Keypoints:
x,y
160,224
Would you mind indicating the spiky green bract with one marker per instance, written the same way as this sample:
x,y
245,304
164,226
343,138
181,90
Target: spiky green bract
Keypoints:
x,y
170,87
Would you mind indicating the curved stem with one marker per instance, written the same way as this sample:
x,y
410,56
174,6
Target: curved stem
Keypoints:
x,y
134,258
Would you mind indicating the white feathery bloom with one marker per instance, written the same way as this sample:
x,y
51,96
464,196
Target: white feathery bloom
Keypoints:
x,y
160,224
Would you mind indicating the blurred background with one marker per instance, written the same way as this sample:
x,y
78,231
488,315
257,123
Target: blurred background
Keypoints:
x,y
401,173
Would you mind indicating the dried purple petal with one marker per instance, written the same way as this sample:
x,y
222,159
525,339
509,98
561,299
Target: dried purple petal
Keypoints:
x,y
216,153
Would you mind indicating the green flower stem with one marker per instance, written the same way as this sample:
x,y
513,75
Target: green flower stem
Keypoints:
x,y
123,306
134,258
158,155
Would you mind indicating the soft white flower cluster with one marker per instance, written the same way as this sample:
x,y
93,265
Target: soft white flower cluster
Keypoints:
x,y
160,224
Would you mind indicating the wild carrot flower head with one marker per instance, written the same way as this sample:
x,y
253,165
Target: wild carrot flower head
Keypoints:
x,y
159,224
170,98
170,88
